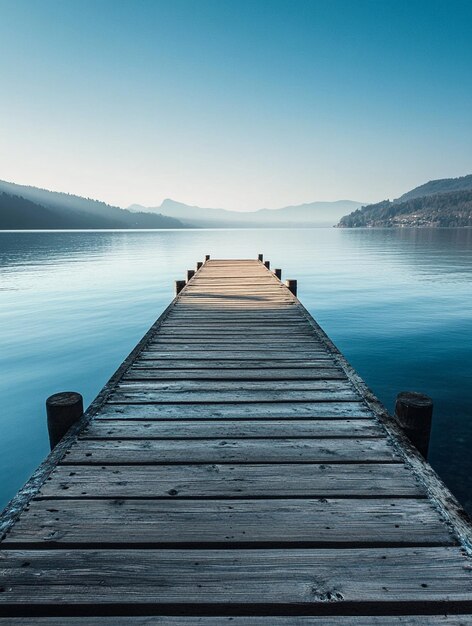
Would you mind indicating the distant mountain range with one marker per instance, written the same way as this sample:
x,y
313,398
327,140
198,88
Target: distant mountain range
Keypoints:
x,y
25,208
445,202
439,203
312,214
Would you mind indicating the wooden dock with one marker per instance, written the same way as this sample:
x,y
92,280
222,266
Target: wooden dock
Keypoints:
x,y
235,470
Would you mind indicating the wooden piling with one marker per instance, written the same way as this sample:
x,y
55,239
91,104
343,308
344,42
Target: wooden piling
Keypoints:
x,y
207,257
199,265
190,274
179,285
63,410
267,264
413,413
278,273
291,285
260,257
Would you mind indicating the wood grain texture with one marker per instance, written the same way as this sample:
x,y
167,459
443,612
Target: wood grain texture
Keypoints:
x,y
236,410
317,578
331,393
232,481
232,451
206,429
232,364
147,372
232,352
221,620
219,386
336,522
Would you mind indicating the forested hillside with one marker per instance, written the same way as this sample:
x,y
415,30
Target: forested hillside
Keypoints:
x,y
24,208
439,210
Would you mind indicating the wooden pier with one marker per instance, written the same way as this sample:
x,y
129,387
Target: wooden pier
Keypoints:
x,y
235,470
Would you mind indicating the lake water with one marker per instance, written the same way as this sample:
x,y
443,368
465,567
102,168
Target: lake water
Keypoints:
x,y
398,303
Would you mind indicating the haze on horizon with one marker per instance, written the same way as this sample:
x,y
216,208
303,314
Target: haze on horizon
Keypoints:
x,y
235,104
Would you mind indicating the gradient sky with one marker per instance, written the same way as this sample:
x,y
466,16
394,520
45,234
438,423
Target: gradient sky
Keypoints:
x,y
237,104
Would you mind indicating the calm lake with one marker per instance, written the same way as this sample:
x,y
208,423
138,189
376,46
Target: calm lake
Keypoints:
x,y
398,303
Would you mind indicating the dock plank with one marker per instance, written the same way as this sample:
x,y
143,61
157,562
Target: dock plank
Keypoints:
x,y
236,410
130,395
206,429
315,578
179,451
221,620
232,481
219,386
335,522
232,364
140,372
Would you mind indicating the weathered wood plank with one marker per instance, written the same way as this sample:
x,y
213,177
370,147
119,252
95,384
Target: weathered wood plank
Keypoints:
x,y
231,364
252,285
212,339
220,386
235,303
205,429
254,410
195,328
396,577
236,350
224,391
207,320
232,481
234,353
146,397
243,297
147,372
221,620
203,327
252,304
218,335
337,522
258,289
231,451
212,316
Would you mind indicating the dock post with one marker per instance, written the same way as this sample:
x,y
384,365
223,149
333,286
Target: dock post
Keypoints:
x,y
260,257
63,410
207,257
190,274
179,285
291,285
413,413
199,264
278,273
267,264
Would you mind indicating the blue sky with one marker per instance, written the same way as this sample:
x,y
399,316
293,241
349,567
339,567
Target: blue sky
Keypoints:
x,y
235,104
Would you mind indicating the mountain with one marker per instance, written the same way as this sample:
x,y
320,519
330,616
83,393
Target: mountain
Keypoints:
x,y
314,213
24,208
192,216
437,203
309,215
440,210
16,213
434,187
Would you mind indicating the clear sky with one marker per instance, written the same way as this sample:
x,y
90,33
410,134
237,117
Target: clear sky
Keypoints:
x,y
238,104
